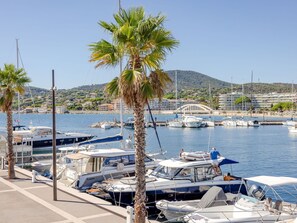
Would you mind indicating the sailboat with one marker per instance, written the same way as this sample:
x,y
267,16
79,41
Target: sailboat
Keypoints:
x,y
291,121
176,123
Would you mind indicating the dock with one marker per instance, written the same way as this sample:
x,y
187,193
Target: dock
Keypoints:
x,y
23,201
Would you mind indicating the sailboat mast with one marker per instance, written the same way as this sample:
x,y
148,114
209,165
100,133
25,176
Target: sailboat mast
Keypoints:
x,y
17,66
210,99
243,98
231,106
252,93
175,90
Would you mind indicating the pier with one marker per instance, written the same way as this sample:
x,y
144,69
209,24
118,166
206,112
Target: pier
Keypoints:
x,y
23,201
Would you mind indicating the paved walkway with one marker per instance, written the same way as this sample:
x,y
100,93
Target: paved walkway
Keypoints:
x,y
22,201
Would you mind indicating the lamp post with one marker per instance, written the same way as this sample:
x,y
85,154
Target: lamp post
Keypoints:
x,y
54,138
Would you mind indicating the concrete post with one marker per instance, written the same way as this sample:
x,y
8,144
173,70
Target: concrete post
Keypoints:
x,y
130,211
2,163
34,176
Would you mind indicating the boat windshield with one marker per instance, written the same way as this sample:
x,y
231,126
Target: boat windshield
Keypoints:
x,y
165,172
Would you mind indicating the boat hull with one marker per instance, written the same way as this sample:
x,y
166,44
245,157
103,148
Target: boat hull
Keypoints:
x,y
170,194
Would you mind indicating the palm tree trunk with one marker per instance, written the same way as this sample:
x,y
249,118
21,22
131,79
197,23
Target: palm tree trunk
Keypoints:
x,y
11,173
139,138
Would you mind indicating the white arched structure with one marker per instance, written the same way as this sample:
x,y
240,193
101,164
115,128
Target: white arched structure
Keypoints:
x,y
194,108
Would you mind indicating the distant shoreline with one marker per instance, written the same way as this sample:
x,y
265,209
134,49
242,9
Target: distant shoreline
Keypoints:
x,y
284,115
215,113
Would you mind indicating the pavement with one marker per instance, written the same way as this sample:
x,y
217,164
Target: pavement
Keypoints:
x,y
22,201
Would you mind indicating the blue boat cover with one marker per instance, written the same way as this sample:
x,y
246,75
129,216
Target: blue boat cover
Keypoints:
x,y
102,140
227,161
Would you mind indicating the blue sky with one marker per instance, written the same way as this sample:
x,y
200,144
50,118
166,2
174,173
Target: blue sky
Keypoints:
x,y
224,39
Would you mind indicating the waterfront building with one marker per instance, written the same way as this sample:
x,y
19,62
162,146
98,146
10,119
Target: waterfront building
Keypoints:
x,y
157,105
259,101
105,107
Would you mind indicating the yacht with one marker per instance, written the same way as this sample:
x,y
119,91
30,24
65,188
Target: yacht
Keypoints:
x,y
176,123
192,121
267,205
188,177
292,129
229,122
90,166
242,123
41,136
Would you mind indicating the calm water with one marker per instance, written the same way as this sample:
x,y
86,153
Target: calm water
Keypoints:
x,y
267,150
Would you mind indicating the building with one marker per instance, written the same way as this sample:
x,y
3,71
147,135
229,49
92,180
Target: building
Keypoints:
x,y
259,101
157,105
105,107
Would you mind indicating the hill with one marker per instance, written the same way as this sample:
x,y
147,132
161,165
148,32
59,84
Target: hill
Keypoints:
x,y
191,79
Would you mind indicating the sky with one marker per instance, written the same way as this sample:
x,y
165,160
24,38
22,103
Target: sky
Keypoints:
x,y
224,39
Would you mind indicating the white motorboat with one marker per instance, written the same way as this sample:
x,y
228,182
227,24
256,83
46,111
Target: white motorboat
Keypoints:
x,y
253,123
41,136
192,121
242,123
176,123
176,179
175,210
209,123
292,129
85,168
105,125
229,122
269,206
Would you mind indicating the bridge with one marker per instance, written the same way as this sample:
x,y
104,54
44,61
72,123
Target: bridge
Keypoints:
x,y
194,109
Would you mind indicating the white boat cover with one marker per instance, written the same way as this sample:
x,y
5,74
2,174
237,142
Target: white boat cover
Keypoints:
x,y
272,180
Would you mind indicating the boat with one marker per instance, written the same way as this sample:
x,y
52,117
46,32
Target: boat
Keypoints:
x,y
175,210
253,123
176,123
229,122
176,179
41,136
85,168
292,129
192,121
105,125
209,123
267,205
129,124
242,123
290,122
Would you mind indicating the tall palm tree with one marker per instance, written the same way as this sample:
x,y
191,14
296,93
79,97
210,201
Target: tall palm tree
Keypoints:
x,y
141,42
12,81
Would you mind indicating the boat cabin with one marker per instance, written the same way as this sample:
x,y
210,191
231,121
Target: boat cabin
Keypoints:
x,y
194,171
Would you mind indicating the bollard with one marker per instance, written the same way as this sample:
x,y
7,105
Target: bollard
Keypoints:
x,y
33,176
129,218
2,163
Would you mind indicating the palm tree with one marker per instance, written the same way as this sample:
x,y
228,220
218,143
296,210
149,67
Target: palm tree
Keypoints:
x,y
142,43
12,81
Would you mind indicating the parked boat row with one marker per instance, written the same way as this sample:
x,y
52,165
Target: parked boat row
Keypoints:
x,y
260,205
231,122
41,136
190,122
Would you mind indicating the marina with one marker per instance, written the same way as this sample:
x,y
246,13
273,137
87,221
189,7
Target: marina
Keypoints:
x,y
256,150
